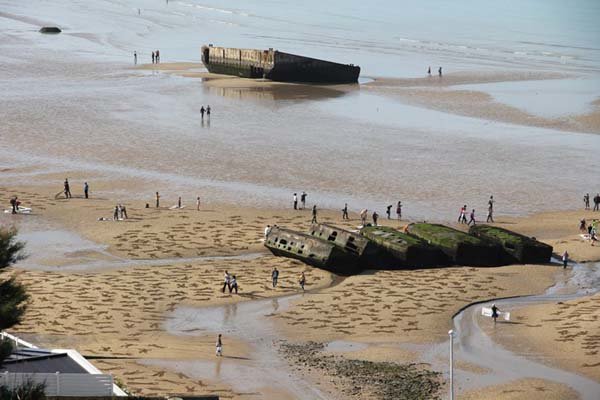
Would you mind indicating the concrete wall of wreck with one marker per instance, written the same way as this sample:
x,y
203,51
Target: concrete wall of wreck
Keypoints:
x,y
257,58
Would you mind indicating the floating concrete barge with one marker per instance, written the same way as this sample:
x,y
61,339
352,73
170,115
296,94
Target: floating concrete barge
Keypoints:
x,y
311,250
518,248
461,248
353,243
276,65
400,250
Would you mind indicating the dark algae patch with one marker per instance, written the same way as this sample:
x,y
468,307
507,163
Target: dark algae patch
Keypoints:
x,y
378,380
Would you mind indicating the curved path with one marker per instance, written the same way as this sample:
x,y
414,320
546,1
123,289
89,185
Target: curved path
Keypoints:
x,y
474,346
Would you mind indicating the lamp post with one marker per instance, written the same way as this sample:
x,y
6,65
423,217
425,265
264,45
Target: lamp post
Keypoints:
x,y
451,334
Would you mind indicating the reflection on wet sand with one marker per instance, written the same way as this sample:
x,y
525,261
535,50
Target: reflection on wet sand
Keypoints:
x,y
276,92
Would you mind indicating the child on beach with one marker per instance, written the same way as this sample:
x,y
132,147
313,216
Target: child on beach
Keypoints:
x,y
219,352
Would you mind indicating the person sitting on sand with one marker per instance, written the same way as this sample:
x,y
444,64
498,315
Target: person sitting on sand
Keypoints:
x,y
219,352
302,281
233,284
495,311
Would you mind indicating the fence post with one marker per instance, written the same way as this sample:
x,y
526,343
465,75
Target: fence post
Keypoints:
x,y
57,384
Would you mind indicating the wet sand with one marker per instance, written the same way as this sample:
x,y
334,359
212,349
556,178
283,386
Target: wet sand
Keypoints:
x,y
121,312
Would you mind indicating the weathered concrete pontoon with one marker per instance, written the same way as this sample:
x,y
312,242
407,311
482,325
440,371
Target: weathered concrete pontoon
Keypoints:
x,y
400,250
311,250
463,249
353,243
276,65
518,248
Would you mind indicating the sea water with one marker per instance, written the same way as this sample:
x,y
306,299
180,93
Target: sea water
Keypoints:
x,y
73,101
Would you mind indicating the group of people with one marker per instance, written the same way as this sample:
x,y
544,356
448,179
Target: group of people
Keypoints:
x,y
462,213
155,57
303,196
14,204
275,277
230,282
586,201
67,189
591,230
439,71
120,212
205,110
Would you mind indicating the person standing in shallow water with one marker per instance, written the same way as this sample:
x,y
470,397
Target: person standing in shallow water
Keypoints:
x,y
275,276
219,346
208,112
202,111
153,57
495,311
135,57
565,259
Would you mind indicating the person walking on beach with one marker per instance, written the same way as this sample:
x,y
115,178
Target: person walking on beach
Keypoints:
x,y
153,57
226,282
462,217
116,213
495,312
565,259
314,214
596,202
202,111
490,216
586,201
135,58
472,217
363,216
157,200
302,281
219,352
67,189
208,112
86,190
399,210
233,285
198,203
303,199
388,211
429,71
274,277
375,216
345,211
440,72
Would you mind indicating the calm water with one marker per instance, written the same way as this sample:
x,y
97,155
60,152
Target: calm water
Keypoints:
x,y
71,102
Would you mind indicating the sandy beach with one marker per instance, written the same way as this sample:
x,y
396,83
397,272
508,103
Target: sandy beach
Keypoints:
x,y
515,113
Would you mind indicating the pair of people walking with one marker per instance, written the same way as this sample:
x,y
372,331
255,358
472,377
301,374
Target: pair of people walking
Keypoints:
x,y
155,57
205,111
230,282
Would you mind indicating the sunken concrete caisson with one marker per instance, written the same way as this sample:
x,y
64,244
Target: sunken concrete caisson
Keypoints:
x,y
311,250
460,247
353,243
518,248
50,29
400,250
